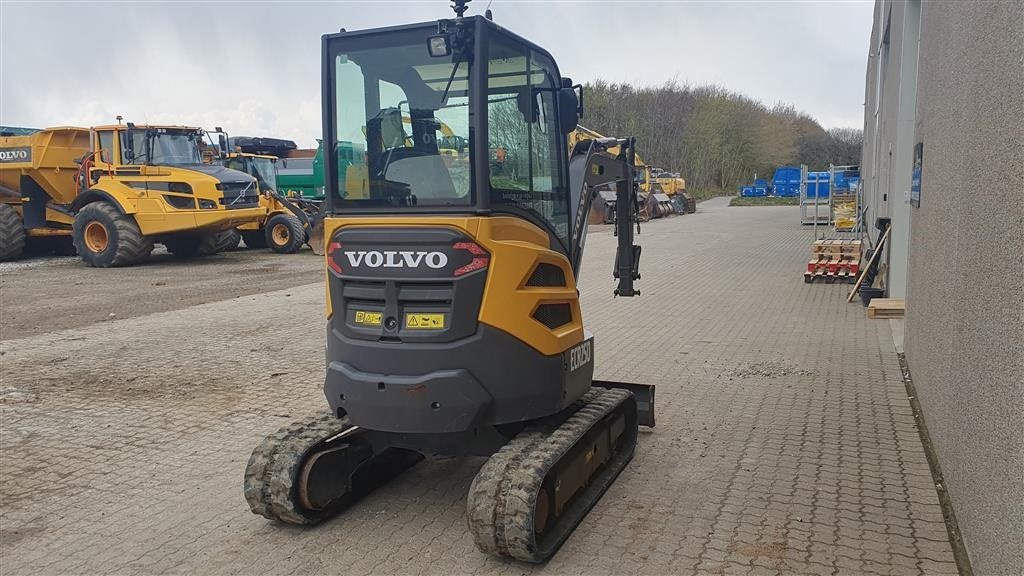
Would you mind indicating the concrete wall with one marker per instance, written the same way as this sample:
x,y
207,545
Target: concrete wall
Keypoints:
x,y
965,289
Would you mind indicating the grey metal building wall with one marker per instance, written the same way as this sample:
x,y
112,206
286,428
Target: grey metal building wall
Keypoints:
x,y
965,296
890,99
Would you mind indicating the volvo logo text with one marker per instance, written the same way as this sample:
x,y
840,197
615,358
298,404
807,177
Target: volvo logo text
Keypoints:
x,y
397,259
15,155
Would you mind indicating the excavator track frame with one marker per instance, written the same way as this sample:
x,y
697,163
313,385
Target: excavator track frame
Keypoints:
x,y
313,469
516,482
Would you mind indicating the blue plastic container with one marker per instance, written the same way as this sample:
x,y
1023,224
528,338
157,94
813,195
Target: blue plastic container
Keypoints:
x,y
786,181
747,191
818,185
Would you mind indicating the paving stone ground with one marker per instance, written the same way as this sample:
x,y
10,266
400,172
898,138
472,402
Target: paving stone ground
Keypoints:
x,y
785,442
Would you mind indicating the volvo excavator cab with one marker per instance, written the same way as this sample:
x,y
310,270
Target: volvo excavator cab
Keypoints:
x,y
454,324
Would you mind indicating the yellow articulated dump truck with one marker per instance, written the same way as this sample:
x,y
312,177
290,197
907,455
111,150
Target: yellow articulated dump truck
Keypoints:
x,y
116,190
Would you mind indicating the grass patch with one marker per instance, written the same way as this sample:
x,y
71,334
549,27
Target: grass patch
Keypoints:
x,y
764,201
707,193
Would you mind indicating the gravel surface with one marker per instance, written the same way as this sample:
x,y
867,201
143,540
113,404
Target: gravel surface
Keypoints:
x,y
41,294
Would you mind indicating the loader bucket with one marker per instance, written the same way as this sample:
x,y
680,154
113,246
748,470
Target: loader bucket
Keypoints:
x,y
316,236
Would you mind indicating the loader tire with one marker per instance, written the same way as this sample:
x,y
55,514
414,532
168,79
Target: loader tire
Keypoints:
x,y
284,234
12,233
254,238
104,237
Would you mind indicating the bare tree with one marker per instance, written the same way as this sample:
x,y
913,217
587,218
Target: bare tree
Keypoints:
x,y
717,139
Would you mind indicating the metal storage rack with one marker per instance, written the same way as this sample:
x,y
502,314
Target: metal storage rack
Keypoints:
x,y
844,197
812,209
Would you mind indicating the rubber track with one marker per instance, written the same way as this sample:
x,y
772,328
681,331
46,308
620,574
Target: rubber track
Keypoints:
x,y
12,233
132,246
502,498
274,465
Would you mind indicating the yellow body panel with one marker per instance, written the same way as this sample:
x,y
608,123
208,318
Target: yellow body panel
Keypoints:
x,y
516,247
49,157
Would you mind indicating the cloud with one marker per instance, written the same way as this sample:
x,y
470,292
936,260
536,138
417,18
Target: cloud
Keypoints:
x,y
254,68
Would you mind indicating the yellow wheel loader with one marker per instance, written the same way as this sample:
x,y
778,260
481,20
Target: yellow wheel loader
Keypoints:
x,y
453,318
289,221
116,190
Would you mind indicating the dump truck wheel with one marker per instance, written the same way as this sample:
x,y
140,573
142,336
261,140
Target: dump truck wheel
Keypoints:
x,y
254,238
232,238
226,241
190,245
105,237
284,234
12,233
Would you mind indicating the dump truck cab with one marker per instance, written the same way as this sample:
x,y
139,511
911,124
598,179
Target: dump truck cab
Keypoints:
x,y
162,175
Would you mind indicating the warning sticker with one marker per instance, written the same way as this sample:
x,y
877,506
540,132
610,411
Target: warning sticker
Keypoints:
x,y
420,321
368,318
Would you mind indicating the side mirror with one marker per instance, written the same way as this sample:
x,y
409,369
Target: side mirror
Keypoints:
x,y
568,110
129,143
222,141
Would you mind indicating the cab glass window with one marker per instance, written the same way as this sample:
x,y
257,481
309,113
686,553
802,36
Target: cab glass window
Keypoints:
x,y
523,134
106,146
402,125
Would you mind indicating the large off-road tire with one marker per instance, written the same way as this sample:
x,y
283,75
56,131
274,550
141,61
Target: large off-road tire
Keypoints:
x,y
254,238
232,238
284,233
12,233
105,237
192,245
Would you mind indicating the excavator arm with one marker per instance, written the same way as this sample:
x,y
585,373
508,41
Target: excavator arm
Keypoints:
x,y
592,166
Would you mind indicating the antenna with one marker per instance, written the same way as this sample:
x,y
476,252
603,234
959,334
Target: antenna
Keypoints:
x,y
460,7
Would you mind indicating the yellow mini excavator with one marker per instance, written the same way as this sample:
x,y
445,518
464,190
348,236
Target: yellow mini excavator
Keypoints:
x,y
453,318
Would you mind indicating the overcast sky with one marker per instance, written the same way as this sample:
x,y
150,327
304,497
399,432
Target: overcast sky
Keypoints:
x,y
253,67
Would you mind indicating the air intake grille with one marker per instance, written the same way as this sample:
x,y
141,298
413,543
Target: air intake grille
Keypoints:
x,y
547,275
553,315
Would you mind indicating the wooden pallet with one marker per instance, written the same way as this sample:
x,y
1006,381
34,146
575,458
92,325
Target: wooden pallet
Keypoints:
x,y
886,308
834,260
837,247
830,269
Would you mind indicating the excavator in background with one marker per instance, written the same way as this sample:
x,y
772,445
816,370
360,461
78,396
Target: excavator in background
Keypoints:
x,y
116,190
453,318
654,201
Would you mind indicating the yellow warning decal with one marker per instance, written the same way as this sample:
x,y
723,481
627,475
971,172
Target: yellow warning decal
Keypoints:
x,y
368,318
420,321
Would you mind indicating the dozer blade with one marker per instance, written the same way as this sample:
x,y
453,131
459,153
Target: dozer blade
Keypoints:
x,y
530,495
644,394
